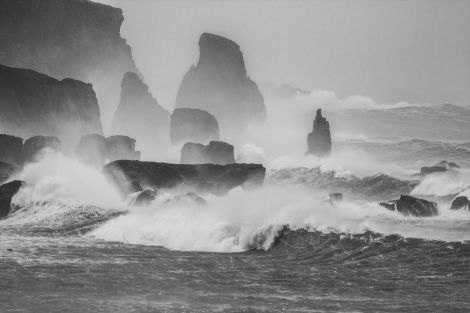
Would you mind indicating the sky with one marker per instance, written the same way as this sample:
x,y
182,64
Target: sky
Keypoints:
x,y
416,51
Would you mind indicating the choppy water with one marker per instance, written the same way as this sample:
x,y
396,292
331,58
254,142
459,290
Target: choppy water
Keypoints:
x,y
75,247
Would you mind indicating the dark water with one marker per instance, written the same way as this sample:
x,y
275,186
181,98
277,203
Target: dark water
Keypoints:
x,y
359,258
303,272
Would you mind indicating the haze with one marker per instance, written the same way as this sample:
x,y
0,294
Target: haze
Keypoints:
x,y
415,51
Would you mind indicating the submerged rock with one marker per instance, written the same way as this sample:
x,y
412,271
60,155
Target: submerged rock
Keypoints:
x,y
32,103
319,140
220,85
139,115
442,166
411,206
206,178
460,203
7,191
11,149
193,125
216,152
34,145
145,197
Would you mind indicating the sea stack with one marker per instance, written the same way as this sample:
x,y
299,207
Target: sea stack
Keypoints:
x,y
139,115
193,125
319,140
219,85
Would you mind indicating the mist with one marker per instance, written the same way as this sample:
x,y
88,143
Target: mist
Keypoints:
x,y
390,51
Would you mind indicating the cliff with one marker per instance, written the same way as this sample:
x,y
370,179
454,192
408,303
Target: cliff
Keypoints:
x,y
139,115
32,103
79,39
219,84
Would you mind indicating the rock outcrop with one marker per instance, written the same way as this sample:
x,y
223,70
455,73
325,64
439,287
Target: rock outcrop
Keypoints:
x,y
442,166
79,39
95,149
121,148
139,115
7,191
7,171
32,103
34,146
460,203
11,149
193,125
411,206
201,178
319,140
216,152
219,84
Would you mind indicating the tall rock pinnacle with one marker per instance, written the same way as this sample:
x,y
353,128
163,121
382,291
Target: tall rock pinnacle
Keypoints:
x,y
319,140
139,115
219,84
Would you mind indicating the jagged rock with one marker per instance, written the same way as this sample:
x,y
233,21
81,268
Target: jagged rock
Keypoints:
x,y
121,148
442,166
32,103
216,152
34,145
190,196
145,197
95,149
92,150
139,115
336,197
216,179
7,191
319,140
460,203
68,38
7,171
193,125
11,149
219,84
411,206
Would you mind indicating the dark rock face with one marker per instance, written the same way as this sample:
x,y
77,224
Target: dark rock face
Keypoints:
x,y
11,149
460,203
219,84
216,152
440,167
319,140
122,148
139,115
79,39
411,206
7,171
32,103
34,145
7,191
95,149
211,178
193,125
